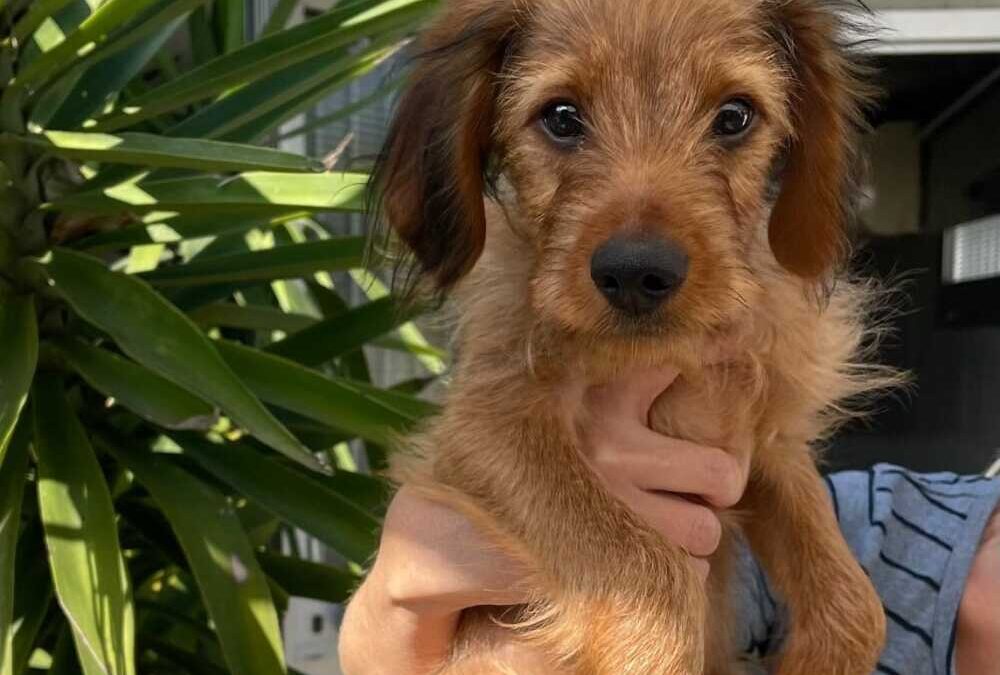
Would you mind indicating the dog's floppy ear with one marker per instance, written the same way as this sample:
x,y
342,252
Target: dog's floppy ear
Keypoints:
x,y
828,100
431,175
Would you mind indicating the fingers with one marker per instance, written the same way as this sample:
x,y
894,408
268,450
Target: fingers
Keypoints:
x,y
692,527
635,392
646,387
653,462
631,396
434,559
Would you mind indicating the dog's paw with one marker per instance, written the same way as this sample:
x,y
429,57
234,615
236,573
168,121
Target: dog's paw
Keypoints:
x,y
844,635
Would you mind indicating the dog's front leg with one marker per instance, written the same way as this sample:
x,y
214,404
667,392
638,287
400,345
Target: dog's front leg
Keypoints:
x,y
613,597
837,624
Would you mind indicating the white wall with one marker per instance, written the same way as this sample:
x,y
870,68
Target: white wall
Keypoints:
x,y
931,4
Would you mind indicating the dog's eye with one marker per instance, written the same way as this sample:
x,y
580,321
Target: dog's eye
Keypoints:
x,y
734,119
562,121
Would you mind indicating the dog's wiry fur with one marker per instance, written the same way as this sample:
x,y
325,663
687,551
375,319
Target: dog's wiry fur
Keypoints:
x,y
763,224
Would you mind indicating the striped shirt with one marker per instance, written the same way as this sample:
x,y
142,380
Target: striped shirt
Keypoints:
x,y
916,536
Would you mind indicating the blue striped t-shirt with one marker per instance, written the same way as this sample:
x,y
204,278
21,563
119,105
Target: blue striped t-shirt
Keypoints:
x,y
916,536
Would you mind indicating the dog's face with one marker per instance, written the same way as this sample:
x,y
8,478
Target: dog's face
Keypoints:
x,y
642,140
663,153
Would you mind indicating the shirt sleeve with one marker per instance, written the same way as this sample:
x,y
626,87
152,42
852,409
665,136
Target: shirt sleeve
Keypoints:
x,y
916,536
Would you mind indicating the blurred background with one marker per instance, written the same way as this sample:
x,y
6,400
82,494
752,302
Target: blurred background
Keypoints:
x,y
933,224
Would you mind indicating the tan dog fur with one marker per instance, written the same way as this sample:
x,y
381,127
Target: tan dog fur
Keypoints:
x,y
763,225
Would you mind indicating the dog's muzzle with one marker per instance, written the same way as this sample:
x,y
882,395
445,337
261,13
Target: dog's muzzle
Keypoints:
x,y
638,274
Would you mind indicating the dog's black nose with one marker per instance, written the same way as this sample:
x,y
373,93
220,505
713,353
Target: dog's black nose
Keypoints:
x,y
638,274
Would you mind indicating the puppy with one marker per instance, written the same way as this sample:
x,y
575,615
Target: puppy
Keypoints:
x,y
606,185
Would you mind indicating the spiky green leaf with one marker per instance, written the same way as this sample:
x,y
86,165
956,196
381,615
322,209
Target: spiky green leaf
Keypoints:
x,y
82,536
33,594
261,106
99,79
231,582
344,333
248,194
290,495
164,228
305,579
341,404
19,337
323,35
250,318
283,262
95,29
380,94
37,13
151,150
156,334
231,17
142,391
13,466
280,14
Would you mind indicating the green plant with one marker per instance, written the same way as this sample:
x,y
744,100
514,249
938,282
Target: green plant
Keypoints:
x,y
179,372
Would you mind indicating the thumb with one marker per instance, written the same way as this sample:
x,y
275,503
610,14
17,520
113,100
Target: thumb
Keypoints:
x,y
641,388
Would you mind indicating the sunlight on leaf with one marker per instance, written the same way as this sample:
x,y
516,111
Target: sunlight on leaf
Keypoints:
x,y
48,35
144,258
13,470
344,456
234,588
130,193
86,560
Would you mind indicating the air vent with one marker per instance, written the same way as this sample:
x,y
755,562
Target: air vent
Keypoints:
x,y
972,251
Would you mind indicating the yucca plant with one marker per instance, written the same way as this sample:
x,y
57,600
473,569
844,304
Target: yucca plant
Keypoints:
x,y
180,372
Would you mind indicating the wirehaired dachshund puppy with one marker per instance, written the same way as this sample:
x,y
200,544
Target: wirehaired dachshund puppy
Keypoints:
x,y
605,185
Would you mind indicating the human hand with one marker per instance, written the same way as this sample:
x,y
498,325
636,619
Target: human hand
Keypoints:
x,y
436,561
673,485
433,563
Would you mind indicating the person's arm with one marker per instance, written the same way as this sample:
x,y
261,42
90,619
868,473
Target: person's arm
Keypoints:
x,y
931,546
978,645
432,563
